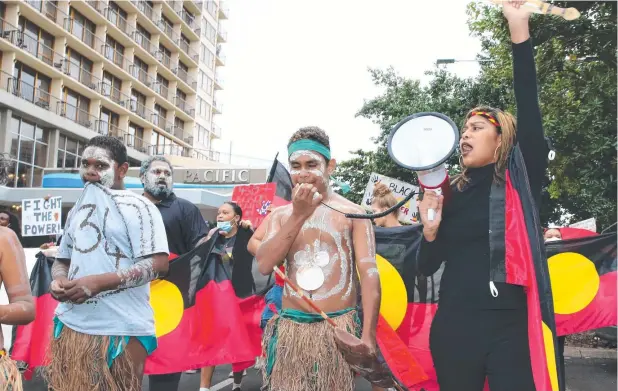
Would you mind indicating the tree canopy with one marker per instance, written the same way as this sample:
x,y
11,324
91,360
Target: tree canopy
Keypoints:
x,y
576,66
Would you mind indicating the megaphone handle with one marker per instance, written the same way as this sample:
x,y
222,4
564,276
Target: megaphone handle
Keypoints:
x,y
431,213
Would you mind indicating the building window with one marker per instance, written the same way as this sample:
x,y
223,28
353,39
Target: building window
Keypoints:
x,y
135,138
207,57
36,41
179,124
211,7
114,51
138,103
109,123
69,152
140,70
31,85
79,67
210,33
29,149
111,87
76,107
82,27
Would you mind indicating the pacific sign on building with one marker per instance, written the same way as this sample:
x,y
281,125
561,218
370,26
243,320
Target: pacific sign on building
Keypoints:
x,y
222,175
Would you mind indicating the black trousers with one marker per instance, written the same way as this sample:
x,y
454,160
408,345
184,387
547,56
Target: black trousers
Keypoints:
x,y
167,382
469,346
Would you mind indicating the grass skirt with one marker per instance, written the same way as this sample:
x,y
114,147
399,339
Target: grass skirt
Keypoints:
x,y
303,356
79,362
10,378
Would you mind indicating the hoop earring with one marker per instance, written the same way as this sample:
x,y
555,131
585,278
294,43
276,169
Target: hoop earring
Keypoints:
x,y
495,153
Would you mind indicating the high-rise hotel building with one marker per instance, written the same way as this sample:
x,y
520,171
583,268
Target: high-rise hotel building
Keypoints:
x,y
142,71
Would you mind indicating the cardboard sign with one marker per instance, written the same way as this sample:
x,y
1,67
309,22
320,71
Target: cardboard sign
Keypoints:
x,y
589,224
254,201
409,211
41,217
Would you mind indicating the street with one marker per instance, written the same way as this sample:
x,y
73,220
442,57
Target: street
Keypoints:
x,y
583,374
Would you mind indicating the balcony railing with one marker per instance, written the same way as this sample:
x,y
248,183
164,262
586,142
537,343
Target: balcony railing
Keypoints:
x,y
113,55
98,5
221,34
118,21
32,45
145,8
224,11
164,59
142,41
176,5
218,82
82,75
160,121
184,76
182,105
162,90
167,28
141,75
184,45
188,19
75,114
127,139
28,92
81,32
216,130
49,9
113,93
216,106
171,149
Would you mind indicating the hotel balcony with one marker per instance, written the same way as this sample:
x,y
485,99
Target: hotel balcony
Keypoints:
x,y
216,107
182,105
224,11
218,83
220,57
216,130
221,34
28,92
49,10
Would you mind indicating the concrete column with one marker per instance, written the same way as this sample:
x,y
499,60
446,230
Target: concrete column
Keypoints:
x,y
5,130
8,66
123,123
156,10
173,86
52,147
63,11
174,60
125,89
11,14
131,23
100,38
94,110
129,56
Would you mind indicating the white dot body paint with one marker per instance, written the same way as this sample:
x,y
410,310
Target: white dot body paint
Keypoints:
x,y
153,179
101,154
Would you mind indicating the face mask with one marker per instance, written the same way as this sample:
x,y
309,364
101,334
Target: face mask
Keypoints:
x,y
225,226
554,239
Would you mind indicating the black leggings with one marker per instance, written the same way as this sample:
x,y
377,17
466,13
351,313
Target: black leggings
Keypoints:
x,y
469,346
168,382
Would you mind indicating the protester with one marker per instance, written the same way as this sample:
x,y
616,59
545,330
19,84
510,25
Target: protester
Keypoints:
x,y
231,241
184,227
14,279
383,199
323,250
491,338
9,220
552,234
113,246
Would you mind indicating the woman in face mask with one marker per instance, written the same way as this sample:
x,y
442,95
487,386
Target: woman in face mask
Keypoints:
x,y
231,243
552,234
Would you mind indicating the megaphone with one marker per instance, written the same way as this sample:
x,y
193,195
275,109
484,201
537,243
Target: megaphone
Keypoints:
x,y
422,142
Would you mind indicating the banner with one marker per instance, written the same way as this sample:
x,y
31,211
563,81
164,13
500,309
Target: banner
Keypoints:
x,y
41,216
409,212
589,224
254,201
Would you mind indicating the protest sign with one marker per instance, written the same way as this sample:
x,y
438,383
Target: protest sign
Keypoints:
x,y
41,216
408,213
589,224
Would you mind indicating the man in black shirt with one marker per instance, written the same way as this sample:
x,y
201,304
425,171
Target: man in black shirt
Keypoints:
x,y
184,225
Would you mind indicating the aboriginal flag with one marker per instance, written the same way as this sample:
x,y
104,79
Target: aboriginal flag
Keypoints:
x,y
30,342
205,314
281,177
582,273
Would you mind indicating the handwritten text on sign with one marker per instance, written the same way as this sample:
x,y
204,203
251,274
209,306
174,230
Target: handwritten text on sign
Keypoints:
x,y
408,213
254,200
41,217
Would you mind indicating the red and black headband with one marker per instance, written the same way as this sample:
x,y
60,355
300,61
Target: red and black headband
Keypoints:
x,y
488,116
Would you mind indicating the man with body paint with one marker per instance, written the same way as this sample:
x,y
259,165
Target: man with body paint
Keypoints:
x,y
113,245
325,253
184,226
14,278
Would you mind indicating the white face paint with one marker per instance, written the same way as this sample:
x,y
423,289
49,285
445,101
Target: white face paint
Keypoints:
x,y
97,166
318,171
158,180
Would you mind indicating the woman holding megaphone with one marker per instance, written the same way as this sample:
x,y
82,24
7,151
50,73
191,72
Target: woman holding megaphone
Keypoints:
x,y
480,330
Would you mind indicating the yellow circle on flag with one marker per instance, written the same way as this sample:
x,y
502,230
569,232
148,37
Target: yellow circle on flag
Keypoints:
x,y
394,303
167,304
574,282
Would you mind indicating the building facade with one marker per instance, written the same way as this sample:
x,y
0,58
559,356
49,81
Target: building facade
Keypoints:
x,y
142,71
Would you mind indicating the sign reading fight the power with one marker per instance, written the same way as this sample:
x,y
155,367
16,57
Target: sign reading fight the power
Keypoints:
x,y
41,217
408,213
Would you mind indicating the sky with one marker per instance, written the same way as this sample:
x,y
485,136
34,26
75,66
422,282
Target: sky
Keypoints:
x,y
295,63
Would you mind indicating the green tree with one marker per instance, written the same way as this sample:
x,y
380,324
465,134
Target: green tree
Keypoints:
x,y
576,65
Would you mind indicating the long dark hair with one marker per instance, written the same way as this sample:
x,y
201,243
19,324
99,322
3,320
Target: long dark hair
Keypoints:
x,y
14,223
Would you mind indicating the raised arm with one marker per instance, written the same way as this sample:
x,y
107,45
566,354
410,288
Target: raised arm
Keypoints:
x,y
530,136
280,235
14,276
364,244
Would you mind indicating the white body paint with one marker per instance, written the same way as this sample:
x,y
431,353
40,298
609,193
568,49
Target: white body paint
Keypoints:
x,y
101,154
158,172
